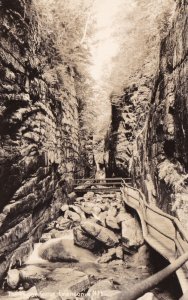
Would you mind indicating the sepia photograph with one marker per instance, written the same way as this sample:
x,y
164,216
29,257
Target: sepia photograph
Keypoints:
x,y
93,150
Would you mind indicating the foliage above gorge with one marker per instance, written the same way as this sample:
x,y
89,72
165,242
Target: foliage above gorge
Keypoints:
x,y
64,28
139,29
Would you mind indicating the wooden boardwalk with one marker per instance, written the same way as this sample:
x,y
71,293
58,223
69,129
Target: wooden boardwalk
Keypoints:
x,y
161,231
106,185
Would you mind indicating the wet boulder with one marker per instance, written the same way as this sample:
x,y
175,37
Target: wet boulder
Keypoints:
x,y
112,223
89,196
84,240
64,250
45,237
77,210
57,250
72,216
99,289
132,237
33,274
13,278
112,212
63,223
50,226
64,207
119,252
110,255
122,216
96,210
67,282
101,233
101,218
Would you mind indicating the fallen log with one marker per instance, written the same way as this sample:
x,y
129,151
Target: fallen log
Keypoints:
x,y
149,283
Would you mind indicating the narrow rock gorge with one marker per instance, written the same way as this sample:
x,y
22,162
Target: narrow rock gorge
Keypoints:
x,y
75,144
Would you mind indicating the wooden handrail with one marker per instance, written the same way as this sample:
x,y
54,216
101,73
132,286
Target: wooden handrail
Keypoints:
x,y
179,239
108,179
159,212
102,183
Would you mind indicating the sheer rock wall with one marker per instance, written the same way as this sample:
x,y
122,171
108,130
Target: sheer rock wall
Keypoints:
x,y
155,151
39,135
167,129
129,112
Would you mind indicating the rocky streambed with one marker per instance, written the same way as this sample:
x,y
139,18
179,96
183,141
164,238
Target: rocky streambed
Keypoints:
x,y
92,251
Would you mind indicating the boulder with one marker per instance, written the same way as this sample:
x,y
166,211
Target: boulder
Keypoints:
x,y
118,195
64,250
102,234
99,289
116,263
112,212
64,207
32,273
79,200
45,237
82,239
120,207
119,252
101,218
66,282
78,210
110,255
72,216
105,258
72,197
58,233
109,295
103,290
90,205
122,216
98,198
57,250
13,278
50,226
63,223
103,206
87,210
132,236
142,257
96,210
112,223
89,196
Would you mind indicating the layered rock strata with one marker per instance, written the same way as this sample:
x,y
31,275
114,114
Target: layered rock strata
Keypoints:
x,y
38,134
151,129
